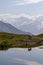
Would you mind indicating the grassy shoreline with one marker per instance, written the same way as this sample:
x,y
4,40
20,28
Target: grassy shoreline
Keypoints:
x,y
8,40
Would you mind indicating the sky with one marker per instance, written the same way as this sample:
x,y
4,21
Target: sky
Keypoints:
x,y
16,8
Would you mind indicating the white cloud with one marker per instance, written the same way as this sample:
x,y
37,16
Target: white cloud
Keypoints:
x,y
7,16
24,2
15,21
10,16
32,1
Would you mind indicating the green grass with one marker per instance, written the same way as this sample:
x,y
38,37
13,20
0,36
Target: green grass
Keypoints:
x,y
8,40
40,35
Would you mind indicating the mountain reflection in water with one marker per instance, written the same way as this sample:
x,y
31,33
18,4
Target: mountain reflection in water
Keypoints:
x,y
21,56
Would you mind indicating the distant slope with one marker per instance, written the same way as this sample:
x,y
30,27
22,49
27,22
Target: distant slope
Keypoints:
x,y
17,37
12,36
8,40
40,35
6,27
5,36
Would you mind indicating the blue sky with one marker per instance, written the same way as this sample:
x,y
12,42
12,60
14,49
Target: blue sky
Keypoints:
x,y
28,7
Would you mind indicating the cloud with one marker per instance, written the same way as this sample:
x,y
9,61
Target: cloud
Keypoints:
x,y
26,62
13,18
18,20
10,16
24,2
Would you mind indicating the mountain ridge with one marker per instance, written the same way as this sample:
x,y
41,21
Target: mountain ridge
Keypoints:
x,y
35,26
6,27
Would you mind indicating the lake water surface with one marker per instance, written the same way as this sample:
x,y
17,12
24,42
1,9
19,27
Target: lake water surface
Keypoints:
x,y
21,56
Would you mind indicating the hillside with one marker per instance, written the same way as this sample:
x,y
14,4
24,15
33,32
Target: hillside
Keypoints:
x,y
18,40
7,36
40,35
6,27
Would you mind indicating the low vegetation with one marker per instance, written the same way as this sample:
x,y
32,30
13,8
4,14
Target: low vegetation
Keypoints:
x,y
40,35
19,40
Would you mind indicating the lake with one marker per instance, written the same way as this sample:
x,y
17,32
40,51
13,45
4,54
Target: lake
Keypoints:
x,y
21,56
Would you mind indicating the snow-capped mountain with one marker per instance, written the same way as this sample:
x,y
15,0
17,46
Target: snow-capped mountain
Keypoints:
x,y
6,27
34,26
